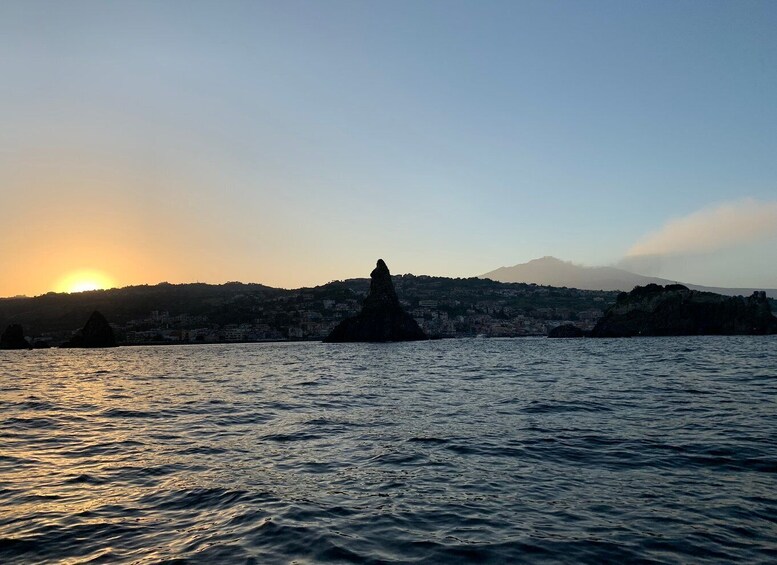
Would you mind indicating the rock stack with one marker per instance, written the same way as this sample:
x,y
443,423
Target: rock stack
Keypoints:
x,y
382,317
96,333
13,338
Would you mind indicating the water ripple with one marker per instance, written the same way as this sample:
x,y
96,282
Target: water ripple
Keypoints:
x,y
494,451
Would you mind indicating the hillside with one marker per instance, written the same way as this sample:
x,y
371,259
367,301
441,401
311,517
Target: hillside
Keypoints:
x,y
675,310
248,312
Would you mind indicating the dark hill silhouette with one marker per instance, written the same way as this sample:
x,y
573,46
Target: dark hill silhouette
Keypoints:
x,y
460,303
655,310
63,312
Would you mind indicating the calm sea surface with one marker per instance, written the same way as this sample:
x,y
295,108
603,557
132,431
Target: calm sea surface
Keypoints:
x,y
517,450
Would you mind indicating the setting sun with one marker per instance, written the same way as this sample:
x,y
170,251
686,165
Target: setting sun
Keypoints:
x,y
83,280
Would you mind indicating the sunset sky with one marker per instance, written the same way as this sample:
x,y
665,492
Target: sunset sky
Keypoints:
x,y
293,143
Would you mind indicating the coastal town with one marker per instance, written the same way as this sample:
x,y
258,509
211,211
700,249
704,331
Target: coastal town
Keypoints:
x,y
236,312
303,317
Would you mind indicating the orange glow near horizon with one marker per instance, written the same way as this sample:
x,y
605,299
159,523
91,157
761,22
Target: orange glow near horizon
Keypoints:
x,y
84,280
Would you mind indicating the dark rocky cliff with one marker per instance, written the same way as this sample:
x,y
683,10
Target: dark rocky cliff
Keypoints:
x,y
655,310
96,333
567,330
13,338
382,317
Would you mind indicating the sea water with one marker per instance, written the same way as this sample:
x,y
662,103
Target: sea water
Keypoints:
x,y
489,450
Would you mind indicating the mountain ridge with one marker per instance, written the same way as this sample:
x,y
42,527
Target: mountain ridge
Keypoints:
x,y
552,271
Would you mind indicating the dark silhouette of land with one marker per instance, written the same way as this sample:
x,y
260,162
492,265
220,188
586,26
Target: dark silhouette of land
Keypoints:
x,y
567,330
382,317
198,312
672,310
206,313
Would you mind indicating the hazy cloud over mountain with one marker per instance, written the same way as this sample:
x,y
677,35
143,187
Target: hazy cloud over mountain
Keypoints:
x,y
711,229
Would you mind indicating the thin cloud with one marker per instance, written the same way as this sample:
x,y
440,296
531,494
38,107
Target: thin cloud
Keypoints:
x,y
723,226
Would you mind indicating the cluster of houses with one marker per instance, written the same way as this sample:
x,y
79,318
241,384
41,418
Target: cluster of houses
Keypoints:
x,y
311,319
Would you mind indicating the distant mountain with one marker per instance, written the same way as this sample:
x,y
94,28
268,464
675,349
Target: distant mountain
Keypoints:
x,y
555,272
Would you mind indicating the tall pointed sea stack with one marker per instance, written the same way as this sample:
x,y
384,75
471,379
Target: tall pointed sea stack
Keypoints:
x,y
96,333
382,317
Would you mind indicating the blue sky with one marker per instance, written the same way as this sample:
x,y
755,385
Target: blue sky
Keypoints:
x,y
293,143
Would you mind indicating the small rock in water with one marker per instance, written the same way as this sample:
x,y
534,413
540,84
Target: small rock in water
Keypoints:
x,y
567,330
